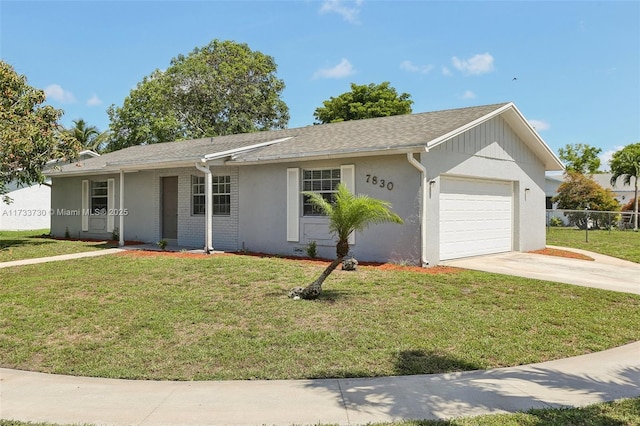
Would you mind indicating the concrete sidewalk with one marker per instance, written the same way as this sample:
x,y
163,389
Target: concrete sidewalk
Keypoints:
x,y
578,381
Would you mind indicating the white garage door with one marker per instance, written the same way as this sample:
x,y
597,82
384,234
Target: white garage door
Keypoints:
x,y
476,217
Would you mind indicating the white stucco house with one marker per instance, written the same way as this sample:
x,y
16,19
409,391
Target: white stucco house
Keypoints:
x,y
30,206
467,182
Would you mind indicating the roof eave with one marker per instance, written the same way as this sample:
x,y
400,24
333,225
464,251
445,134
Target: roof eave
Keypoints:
x,y
329,155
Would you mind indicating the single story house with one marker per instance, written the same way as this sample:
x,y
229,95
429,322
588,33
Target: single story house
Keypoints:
x,y
466,181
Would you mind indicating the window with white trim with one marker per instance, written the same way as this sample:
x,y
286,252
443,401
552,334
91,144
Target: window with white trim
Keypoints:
x,y
222,195
322,181
197,195
221,192
99,196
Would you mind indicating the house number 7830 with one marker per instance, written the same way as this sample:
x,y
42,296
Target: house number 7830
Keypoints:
x,y
374,180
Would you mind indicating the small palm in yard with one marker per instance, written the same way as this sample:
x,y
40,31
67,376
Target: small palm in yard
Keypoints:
x,y
348,213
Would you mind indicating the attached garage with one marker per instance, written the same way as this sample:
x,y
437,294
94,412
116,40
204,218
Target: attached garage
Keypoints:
x,y
476,217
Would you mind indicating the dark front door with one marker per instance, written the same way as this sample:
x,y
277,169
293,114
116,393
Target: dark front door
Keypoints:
x,y
170,207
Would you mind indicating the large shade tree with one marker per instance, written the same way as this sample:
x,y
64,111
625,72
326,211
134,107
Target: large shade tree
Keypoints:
x,y
626,163
364,101
346,213
219,89
30,135
580,158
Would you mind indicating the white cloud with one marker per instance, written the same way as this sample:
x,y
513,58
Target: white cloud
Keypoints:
x,y
411,67
94,100
343,69
446,71
475,65
468,95
57,93
605,157
540,125
349,10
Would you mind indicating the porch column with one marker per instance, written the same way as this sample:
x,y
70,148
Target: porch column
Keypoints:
x,y
121,210
208,206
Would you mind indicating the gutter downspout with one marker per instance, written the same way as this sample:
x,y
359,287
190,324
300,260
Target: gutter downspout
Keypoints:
x,y
208,207
121,215
423,207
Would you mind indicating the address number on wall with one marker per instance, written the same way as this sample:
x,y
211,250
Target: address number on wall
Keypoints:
x,y
382,183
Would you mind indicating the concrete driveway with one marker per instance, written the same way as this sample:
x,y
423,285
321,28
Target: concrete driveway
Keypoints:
x,y
603,272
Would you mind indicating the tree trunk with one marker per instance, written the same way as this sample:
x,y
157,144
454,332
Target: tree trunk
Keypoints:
x,y
313,290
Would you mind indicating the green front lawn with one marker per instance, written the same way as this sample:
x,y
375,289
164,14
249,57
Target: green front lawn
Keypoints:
x,y
18,245
621,244
228,317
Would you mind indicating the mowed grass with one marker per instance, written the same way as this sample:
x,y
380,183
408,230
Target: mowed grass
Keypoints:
x,y
228,317
620,244
18,245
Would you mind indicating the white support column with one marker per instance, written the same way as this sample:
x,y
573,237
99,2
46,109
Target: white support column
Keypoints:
x,y
121,211
423,207
208,206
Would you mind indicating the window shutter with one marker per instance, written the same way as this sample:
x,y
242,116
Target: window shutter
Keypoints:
x,y
293,205
111,201
348,178
85,205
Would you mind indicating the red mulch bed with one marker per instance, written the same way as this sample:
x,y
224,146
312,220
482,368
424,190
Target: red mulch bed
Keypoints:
x,y
562,253
381,266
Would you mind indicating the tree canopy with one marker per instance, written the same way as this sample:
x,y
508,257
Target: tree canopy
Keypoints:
x,y
364,101
581,158
626,163
580,192
30,135
219,89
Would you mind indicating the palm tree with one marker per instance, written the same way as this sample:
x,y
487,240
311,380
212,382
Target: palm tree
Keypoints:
x,y
348,213
626,163
88,136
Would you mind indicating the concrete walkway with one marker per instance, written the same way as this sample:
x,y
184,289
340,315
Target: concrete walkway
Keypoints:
x,y
577,381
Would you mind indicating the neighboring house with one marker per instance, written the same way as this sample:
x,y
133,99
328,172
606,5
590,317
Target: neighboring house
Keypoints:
x,y
30,207
621,192
466,182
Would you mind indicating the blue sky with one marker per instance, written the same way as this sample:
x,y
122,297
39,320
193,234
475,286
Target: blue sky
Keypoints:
x,y
576,64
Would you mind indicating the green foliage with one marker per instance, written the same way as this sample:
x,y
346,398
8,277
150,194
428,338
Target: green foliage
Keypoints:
x,y
555,221
365,101
580,158
222,88
579,192
626,163
312,249
30,135
162,244
349,213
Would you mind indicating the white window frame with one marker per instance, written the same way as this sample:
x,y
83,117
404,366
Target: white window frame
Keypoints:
x,y
221,189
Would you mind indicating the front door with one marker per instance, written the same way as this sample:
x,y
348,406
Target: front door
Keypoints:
x,y
170,208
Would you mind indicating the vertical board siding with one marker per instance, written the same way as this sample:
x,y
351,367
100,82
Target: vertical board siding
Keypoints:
x,y
492,139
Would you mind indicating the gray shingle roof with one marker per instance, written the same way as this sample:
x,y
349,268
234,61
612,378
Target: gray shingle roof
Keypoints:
x,y
370,135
